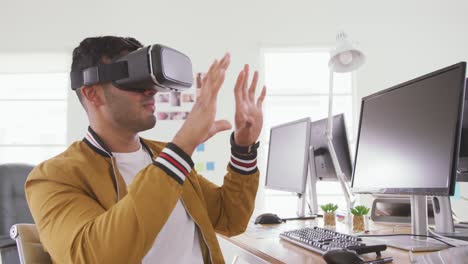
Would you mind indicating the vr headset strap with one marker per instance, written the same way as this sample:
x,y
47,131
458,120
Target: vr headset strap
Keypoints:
x,y
99,74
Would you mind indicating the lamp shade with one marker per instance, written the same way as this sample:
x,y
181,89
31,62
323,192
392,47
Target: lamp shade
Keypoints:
x,y
345,57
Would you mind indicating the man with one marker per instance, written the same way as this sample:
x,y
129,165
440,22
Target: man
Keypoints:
x,y
117,198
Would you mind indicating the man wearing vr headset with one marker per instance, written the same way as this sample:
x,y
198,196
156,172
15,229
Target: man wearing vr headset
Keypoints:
x,y
117,198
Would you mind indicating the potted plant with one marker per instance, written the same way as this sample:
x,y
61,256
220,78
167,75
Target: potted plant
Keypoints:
x,y
359,212
329,214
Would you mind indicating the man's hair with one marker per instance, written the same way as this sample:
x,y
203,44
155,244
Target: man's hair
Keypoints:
x,y
91,52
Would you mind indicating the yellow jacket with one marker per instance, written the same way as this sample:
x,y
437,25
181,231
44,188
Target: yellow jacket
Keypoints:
x,y
85,213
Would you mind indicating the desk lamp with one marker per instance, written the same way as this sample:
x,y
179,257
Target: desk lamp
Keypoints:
x,y
344,58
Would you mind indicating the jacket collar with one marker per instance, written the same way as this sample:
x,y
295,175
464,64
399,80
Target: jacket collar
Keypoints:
x,y
97,144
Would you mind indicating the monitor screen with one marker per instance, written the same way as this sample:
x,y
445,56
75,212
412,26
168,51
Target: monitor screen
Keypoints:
x,y
288,156
409,135
324,169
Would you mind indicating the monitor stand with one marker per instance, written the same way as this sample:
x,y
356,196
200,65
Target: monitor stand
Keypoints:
x,y
301,205
311,190
301,210
419,226
444,221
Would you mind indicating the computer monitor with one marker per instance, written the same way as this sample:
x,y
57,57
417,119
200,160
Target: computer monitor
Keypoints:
x,y
290,151
288,161
408,143
408,136
324,169
463,156
288,156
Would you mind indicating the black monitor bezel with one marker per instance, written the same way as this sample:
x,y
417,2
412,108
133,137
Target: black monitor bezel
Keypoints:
x,y
306,153
449,190
462,176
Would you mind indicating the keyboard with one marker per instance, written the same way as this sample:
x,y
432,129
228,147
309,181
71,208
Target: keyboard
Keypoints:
x,y
320,240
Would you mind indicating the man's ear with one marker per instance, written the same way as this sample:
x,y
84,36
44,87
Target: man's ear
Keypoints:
x,y
93,94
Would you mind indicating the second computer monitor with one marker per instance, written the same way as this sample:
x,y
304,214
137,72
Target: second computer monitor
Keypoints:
x,y
288,156
289,153
324,169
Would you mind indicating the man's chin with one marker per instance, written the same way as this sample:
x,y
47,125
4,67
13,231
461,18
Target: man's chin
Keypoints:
x,y
149,124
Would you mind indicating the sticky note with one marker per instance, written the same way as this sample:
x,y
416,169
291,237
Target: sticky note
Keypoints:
x,y
200,147
210,166
199,166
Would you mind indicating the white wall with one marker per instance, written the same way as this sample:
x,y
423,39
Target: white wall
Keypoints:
x,y
402,39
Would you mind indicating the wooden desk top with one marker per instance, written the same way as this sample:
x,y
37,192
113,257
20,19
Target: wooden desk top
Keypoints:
x,y
263,241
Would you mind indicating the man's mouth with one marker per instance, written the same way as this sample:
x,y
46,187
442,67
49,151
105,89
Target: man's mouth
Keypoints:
x,y
150,106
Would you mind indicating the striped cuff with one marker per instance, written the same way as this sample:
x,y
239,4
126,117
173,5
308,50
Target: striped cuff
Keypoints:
x,y
243,164
175,162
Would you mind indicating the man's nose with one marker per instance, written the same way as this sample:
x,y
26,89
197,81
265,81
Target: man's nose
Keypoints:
x,y
150,92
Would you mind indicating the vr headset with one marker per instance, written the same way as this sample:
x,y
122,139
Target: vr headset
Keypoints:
x,y
153,67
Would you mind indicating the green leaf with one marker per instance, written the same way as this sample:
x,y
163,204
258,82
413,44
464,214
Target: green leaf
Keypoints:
x,y
360,210
329,207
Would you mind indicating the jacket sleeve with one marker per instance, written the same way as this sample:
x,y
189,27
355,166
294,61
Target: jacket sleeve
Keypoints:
x,y
231,205
75,228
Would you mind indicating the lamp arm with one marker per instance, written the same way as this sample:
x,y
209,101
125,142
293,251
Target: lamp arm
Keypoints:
x,y
348,194
329,130
341,64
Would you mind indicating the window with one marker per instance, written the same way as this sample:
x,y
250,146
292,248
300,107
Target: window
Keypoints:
x,y
33,106
298,86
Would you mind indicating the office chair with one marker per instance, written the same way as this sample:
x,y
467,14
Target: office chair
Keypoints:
x,y
13,207
29,245
8,251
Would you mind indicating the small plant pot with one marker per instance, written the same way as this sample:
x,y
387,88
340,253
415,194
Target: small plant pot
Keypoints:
x,y
358,223
329,219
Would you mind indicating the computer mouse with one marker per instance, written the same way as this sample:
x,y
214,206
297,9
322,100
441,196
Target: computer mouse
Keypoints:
x,y
268,219
342,256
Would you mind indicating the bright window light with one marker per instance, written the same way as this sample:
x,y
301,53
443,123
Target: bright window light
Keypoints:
x,y
297,81
33,104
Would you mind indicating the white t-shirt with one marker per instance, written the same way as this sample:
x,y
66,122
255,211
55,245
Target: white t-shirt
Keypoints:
x,y
178,241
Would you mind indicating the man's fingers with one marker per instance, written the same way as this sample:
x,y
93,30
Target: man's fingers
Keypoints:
x,y
225,61
222,125
216,127
215,76
223,65
238,88
261,98
212,67
219,80
244,84
253,86
208,78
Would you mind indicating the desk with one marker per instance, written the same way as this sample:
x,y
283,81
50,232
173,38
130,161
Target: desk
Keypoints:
x,y
261,244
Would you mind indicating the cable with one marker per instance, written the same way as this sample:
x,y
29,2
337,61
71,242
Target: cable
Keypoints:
x,y
433,237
